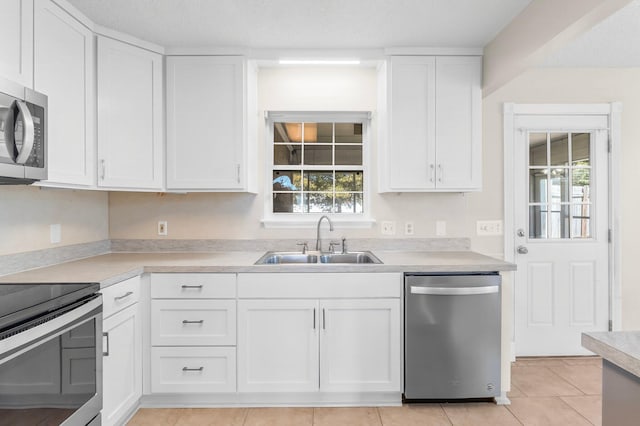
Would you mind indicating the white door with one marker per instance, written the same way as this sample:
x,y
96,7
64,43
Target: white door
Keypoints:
x,y
278,345
360,345
560,192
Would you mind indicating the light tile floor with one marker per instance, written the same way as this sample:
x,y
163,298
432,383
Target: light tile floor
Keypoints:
x,y
544,391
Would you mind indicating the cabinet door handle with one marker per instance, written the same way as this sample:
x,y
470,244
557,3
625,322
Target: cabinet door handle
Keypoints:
x,y
432,172
324,319
106,353
238,172
314,318
193,321
198,287
103,169
127,294
440,172
192,369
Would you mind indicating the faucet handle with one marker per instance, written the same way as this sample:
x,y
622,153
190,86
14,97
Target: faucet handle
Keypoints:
x,y
344,245
305,246
332,246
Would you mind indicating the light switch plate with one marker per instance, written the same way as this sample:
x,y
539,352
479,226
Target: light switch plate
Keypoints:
x,y
162,227
489,227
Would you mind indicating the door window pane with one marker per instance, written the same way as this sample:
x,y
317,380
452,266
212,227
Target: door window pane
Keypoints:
x,y
564,184
538,221
537,149
581,149
559,144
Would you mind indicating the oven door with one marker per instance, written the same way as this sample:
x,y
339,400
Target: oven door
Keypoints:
x,y
51,374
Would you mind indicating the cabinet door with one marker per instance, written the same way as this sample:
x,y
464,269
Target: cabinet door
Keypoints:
x,y
16,33
64,57
277,345
205,110
410,144
459,122
360,345
129,116
122,367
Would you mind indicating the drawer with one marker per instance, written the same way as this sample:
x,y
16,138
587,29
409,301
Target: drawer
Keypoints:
x,y
193,286
193,370
193,322
119,296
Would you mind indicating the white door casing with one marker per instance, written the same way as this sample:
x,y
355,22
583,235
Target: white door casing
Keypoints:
x,y
562,286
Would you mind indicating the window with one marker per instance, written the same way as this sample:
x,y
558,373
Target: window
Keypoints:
x,y
317,165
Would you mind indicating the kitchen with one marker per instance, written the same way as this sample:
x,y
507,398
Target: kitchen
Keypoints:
x,y
89,217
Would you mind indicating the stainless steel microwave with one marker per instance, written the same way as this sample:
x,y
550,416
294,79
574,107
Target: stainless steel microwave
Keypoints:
x,y
23,134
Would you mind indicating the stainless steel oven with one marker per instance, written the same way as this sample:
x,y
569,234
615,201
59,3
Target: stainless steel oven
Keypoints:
x,y
50,354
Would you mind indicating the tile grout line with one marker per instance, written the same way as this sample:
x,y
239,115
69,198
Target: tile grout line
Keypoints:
x,y
246,414
446,415
379,416
576,410
514,414
571,384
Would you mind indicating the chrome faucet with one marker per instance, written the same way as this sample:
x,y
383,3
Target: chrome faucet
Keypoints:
x,y
318,239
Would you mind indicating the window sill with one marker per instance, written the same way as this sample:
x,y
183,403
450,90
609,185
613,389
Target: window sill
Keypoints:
x,y
357,222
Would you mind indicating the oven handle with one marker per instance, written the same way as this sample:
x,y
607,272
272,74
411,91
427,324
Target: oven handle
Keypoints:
x,y
20,343
29,133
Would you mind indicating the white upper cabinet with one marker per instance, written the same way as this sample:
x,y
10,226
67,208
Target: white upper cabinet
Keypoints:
x,y
431,140
16,33
210,119
130,118
64,71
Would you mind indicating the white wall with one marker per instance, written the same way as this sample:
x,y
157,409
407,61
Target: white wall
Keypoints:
x,y
26,213
238,215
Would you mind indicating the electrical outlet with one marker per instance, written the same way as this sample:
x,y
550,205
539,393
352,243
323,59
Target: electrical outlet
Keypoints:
x,y
441,228
388,228
489,227
408,228
55,233
162,227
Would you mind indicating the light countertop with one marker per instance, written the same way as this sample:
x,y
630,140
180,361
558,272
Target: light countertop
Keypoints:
x,y
111,268
621,348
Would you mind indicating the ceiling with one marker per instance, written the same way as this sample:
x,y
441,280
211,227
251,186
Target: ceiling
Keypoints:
x,y
614,42
295,24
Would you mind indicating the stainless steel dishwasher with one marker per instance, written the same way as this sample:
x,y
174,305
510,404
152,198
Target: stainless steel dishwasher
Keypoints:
x,y
452,336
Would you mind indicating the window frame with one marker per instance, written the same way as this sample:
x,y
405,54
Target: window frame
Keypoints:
x,y
307,220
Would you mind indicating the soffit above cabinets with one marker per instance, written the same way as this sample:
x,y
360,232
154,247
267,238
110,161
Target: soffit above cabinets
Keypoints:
x,y
319,24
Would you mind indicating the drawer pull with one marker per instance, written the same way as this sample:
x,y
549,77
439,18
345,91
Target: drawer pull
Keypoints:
x,y
127,294
192,369
193,322
198,287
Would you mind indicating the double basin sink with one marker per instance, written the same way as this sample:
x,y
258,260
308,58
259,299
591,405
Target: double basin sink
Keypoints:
x,y
279,258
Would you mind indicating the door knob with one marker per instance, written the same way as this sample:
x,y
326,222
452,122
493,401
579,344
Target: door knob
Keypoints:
x,y
522,250
520,232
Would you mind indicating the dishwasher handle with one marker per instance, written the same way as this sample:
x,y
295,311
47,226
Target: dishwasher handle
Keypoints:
x,y
455,291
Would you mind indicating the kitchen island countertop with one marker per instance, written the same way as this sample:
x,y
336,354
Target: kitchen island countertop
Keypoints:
x,y
621,348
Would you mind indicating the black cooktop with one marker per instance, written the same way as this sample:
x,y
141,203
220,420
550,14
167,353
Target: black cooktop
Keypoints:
x,y
22,302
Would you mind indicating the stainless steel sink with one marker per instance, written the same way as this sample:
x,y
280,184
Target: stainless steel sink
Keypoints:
x,y
280,257
353,257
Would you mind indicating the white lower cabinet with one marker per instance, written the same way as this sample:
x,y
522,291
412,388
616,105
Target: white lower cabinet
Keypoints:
x,y
327,344
193,333
193,370
277,345
122,347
